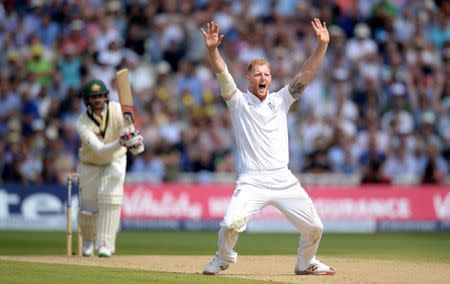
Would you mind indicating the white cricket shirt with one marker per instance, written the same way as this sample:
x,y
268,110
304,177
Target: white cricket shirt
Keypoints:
x,y
260,129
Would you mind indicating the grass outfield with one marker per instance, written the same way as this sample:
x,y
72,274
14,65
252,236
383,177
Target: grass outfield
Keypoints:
x,y
434,247
425,247
25,272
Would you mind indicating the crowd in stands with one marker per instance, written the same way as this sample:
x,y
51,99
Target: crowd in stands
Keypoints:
x,y
379,106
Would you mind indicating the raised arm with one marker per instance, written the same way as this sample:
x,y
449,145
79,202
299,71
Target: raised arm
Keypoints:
x,y
212,40
312,64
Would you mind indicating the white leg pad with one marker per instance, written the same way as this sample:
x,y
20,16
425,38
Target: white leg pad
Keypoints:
x,y
87,221
107,226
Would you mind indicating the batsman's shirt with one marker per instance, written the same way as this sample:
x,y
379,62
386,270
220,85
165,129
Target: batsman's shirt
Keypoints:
x,y
260,129
106,130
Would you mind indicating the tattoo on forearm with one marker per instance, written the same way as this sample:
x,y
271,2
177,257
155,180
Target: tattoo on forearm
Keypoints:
x,y
296,89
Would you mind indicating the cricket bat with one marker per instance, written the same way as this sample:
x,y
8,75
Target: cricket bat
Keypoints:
x,y
126,102
125,97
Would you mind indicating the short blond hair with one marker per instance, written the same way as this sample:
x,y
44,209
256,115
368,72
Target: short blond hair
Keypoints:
x,y
257,61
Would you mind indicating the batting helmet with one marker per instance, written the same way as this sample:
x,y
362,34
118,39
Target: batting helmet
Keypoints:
x,y
92,88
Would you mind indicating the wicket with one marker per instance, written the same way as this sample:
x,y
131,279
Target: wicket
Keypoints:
x,y
71,178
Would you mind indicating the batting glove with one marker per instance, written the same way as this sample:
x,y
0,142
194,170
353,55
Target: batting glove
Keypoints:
x,y
131,139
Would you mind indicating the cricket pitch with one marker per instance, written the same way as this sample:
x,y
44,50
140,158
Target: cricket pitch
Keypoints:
x,y
270,268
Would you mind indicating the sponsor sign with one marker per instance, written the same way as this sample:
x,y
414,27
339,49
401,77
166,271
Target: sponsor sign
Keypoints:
x,y
202,206
175,201
207,202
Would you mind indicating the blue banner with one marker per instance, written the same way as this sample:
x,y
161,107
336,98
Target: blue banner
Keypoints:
x,y
36,207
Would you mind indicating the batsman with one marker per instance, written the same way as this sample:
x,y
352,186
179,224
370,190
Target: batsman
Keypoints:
x,y
104,143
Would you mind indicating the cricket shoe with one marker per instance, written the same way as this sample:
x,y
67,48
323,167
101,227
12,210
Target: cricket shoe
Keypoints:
x,y
316,268
88,248
104,252
215,266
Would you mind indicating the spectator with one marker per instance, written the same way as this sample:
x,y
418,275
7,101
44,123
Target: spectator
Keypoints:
x,y
12,172
149,164
70,66
29,111
49,175
443,127
31,167
39,67
385,74
227,163
401,166
76,38
342,154
187,84
362,45
9,101
317,160
398,114
2,161
372,159
47,30
432,166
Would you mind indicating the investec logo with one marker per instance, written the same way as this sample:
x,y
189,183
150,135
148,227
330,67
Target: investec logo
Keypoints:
x,y
442,206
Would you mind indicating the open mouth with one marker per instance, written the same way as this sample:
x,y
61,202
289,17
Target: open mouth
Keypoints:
x,y
261,87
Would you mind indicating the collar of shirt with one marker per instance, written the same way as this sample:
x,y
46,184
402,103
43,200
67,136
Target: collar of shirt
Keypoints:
x,y
103,114
254,100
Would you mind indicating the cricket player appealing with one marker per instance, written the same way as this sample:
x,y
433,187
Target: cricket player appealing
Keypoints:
x,y
260,127
104,143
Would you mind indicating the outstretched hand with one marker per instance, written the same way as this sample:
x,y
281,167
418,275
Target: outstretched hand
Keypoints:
x,y
320,30
212,36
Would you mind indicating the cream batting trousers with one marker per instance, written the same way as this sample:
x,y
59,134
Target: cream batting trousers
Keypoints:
x,y
101,196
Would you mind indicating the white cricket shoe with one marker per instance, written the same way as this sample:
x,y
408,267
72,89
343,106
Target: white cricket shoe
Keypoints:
x,y
215,266
88,248
316,268
104,252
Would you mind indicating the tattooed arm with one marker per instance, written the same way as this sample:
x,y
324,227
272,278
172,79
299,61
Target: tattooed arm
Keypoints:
x,y
312,64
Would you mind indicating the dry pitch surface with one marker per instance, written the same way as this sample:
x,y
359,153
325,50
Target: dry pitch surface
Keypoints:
x,y
272,268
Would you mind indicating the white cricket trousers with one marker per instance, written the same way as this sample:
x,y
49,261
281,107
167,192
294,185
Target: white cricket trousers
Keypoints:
x,y
280,188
